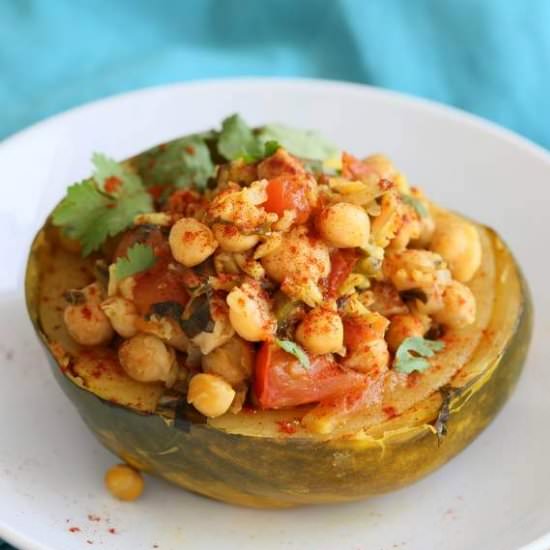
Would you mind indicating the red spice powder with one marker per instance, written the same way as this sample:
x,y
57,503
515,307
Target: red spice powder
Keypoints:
x,y
190,149
112,530
112,184
74,529
86,313
287,427
390,411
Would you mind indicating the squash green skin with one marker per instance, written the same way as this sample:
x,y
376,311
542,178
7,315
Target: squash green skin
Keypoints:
x,y
287,471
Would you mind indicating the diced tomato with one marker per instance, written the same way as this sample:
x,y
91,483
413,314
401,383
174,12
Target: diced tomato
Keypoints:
x,y
278,164
342,262
280,380
159,284
361,329
288,192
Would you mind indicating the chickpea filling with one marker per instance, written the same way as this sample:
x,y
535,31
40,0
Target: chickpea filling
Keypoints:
x,y
253,274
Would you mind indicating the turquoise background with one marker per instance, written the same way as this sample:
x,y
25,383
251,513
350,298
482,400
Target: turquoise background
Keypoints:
x,y
490,57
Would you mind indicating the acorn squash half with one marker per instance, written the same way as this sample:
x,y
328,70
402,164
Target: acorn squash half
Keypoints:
x,y
265,458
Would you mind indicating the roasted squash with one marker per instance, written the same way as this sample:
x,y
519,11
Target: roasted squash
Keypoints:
x,y
265,458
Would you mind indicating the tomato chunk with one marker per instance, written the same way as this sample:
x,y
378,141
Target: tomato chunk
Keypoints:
x,y
288,192
342,262
280,380
159,284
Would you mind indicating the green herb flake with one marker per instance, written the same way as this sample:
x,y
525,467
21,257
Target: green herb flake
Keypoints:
x,y
140,257
415,203
237,140
294,349
271,147
96,209
413,352
306,144
181,163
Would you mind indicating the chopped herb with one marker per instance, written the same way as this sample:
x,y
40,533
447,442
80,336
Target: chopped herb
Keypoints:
x,y
180,163
418,205
271,147
139,257
172,310
237,140
307,144
414,294
197,317
294,349
102,207
412,353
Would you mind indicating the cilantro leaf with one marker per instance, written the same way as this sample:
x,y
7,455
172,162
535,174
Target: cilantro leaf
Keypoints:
x,y
307,144
181,163
92,210
108,169
412,353
294,349
271,147
237,140
139,257
419,206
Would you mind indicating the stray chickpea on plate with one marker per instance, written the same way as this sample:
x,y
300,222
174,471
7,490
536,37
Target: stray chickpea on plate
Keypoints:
x,y
266,320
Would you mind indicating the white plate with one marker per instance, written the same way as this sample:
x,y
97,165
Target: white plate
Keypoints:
x,y
494,496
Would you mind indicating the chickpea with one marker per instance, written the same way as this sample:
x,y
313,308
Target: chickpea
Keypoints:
x,y
231,239
458,242
122,314
146,358
191,242
459,306
250,313
371,358
123,482
405,326
87,324
298,257
409,269
344,225
233,361
321,331
210,394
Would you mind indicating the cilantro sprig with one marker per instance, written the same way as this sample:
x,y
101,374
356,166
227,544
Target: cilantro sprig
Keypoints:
x,y
294,349
238,140
181,163
413,352
139,257
103,206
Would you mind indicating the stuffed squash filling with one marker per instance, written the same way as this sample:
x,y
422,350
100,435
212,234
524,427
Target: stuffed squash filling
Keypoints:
x,y
265,275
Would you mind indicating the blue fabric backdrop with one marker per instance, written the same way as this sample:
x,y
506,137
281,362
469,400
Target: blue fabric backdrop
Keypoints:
x,y
491,57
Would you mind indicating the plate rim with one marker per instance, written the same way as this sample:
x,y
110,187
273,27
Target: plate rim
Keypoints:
x,y
444,111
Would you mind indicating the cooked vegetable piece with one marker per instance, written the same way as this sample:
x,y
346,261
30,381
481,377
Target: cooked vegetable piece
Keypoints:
x,y
281,381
